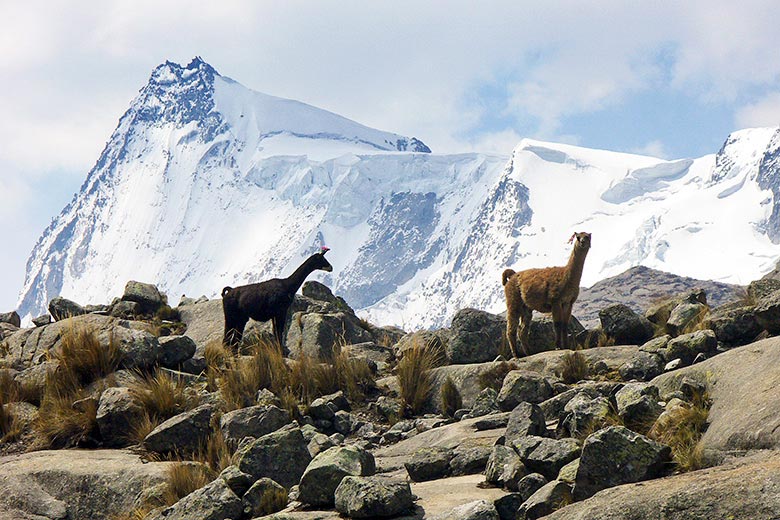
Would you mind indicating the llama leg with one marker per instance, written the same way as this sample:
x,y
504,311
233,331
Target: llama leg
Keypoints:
x,y
234,330
557,316
525,329
566,318
278,323
512,317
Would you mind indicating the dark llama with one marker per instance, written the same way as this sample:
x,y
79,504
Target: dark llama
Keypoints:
x,y
268,300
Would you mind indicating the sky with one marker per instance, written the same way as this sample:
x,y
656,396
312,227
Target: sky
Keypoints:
x,y
667,79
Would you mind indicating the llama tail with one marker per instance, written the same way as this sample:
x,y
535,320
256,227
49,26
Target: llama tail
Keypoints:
x,y
226,290
508,273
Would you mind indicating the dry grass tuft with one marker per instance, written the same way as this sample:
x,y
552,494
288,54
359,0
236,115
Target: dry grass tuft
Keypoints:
x,y
681,429
574,367
183,479
494,378
353,375
61,425
450,398
272,501
10,429
241,378
414,379
161,395
215,452
83,359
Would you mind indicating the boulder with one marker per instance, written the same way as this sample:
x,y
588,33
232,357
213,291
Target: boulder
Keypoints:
x,y
469,457
546,456
95,484
125,310
504,468
475,337
530,484
624,326
555,406
372,497
325,407
541,336
175,350
205,322
523,386
264,497
637,405
734,326
253,421
429,463
214,501
644,366
526,419
687,346
747,487
767,312
281,456
146,295
185,432
236,479
11,318
477,510
486,403
316,335
117,413
760,289
685,316
325,472
546,500
583,413
40,321
616,455
61,308
138,348
656,345
551,363
469,380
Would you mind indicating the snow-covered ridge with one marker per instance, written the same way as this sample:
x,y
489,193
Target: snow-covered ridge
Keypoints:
x,y
205,183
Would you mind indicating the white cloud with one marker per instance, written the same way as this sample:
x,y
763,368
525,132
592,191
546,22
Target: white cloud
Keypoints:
x,y
654,148
764,112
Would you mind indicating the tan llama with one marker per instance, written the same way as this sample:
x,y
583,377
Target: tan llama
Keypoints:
x,y
549,289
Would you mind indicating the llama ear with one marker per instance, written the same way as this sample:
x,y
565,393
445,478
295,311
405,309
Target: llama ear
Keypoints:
x,y
324,250
573,236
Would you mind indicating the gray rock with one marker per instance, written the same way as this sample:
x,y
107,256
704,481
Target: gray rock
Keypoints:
x,y
372,497
182,433
687,346
253,421
492,421
429,463
541,336
684,316
146,295
138,348
236,479
40,321
117,413
530,484
504,468
767,312
525,419
616,455
656,345
507,505
281,456
477,510
643,367
555,406
325,407
327,469
546,500
523,386
61,308
434,339
469,457
126,310
659,313
342,422
316,335
214,501
734,326
637,405
486,403
264,498
469,380
760,289
568,473
175,350
546,456
624,326
319,443
475,336
11,318
583,413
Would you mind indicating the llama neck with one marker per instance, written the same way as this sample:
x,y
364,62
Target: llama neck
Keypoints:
x,y
296,279
575,266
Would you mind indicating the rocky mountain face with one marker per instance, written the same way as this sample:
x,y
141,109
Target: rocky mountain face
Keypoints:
x,y
205,183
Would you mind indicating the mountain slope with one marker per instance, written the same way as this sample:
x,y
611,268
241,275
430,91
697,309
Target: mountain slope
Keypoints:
x,y
205,183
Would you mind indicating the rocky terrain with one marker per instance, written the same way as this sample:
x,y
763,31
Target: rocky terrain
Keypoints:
x,y
134,410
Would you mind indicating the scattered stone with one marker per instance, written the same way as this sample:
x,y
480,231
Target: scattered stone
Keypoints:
x,y
236,479
530,484
281,456
319,443
61,308
526,419
584,413
117,413
139,349
546,456
469,457
265,497
126,310
372,497
684,316
547,499
734,326
687,346
327,469
475,337
568,473
673,365
523,386
643,367
11,318
146,295
486,403
182,433
42,320
429,463
507,505
214,501
656,345
624,326
767,312
757,290
477,510
175,350
504,468
492,421
316,335
342,422
637,405
253,421
616,455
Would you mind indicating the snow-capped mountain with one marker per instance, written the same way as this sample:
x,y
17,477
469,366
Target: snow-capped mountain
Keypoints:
x,y
206,183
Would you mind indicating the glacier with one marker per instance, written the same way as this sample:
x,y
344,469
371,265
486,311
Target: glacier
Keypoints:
x,y
205,183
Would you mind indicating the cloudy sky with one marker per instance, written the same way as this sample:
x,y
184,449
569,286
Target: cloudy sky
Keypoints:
x,y
669,79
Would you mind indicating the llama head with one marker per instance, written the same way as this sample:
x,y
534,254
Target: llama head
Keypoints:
x,y
581,240
319,260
